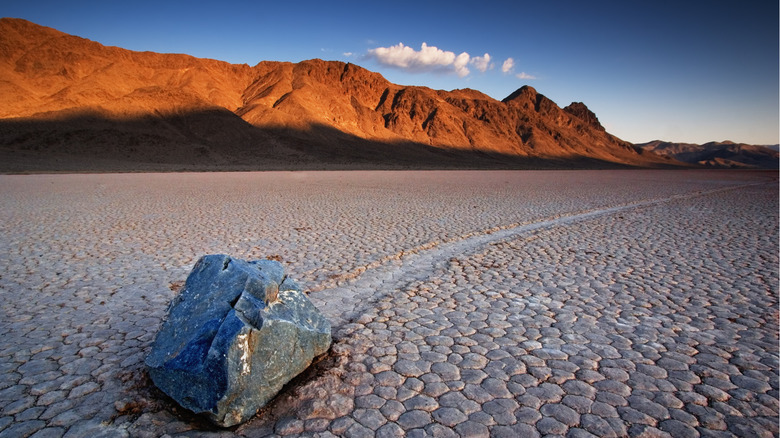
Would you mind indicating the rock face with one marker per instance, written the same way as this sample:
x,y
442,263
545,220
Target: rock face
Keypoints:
x,y
580,110
63,96
236,333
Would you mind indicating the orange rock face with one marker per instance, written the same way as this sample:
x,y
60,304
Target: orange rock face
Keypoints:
x,y
293,109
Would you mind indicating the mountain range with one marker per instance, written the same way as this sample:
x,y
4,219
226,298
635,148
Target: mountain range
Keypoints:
x,y
717,154
71,104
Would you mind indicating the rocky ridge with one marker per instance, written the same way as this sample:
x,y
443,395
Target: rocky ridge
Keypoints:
x,y
66,98
717,154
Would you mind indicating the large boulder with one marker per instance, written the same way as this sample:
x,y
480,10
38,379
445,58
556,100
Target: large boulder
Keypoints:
x,y
236,333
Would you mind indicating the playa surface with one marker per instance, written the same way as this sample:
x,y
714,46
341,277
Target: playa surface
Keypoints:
x,y
464,303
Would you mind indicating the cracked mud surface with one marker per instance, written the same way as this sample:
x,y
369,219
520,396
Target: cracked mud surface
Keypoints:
x,y
562,303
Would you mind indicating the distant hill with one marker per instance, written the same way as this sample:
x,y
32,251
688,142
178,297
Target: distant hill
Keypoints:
x,y
717,154
68,103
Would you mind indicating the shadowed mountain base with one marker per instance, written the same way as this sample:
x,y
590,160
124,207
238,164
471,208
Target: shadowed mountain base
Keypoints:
x,y
218,140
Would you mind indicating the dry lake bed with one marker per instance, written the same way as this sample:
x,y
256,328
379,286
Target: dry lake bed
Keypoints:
x,y
464,303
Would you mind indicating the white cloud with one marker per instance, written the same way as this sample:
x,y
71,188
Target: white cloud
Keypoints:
x,y
428,58
347,54
508,65
461,61
482,63
524,75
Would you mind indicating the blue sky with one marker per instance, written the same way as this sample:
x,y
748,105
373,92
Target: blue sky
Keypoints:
x,y
692,71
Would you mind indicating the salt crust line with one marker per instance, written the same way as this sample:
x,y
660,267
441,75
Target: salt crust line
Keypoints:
x,y
343,299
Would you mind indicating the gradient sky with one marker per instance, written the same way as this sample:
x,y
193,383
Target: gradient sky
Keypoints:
x,y
689,71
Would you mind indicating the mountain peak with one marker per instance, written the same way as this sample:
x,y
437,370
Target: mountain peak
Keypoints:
x,y
526,91
581,111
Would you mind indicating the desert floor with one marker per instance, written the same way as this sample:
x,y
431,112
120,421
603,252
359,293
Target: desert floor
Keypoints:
x,y
464,303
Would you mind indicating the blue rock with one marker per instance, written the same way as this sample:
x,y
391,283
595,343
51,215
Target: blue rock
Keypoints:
x,y
237,332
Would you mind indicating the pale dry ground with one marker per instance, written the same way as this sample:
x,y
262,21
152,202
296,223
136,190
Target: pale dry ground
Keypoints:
x,y
518,303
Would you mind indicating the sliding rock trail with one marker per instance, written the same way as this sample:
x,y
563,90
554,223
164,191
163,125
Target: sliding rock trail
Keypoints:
x,y
577,304
366,284
647,318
